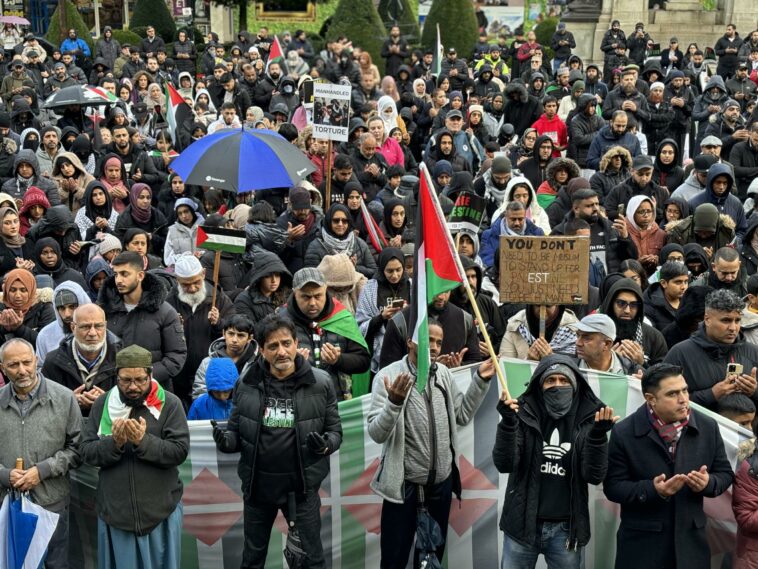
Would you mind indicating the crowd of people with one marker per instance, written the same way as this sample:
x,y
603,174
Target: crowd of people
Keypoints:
x,y
113,335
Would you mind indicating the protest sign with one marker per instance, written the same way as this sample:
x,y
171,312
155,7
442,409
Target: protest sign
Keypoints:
x,y
331,111
467,212
544,270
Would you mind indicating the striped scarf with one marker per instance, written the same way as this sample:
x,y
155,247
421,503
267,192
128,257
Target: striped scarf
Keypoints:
x,y
670,433
115,408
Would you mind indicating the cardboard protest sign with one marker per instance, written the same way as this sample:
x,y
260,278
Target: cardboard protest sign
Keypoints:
x,y
467,212
331,111
544,270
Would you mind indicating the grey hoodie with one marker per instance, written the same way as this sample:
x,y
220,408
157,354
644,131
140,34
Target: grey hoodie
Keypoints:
x,y
14,188
52,334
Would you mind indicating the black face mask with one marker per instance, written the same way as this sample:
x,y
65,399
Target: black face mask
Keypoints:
x,y
558,401
31,144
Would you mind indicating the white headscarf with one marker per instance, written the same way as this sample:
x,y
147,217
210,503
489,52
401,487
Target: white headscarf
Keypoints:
x,y
633,206
389,120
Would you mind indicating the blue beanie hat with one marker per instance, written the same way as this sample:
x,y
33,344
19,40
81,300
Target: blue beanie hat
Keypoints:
x,y
442,167
221,374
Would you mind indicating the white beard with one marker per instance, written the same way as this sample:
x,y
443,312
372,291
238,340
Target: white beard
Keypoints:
x,y
86,349
194,299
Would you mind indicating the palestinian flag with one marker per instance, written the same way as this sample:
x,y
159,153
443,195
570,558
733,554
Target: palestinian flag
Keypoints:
x,y
375,233
436,269
276,54
159,154
103,93
116,409
177,110
438,55
341,322
221,239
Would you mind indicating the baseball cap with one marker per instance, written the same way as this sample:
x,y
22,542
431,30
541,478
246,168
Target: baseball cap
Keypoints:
x,y
19,63
597,323
454,113
642,162
451,50
742,65
562,26
703,162
308,275
711,140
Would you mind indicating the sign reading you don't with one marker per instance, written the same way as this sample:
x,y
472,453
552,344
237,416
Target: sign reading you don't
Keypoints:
x,y
544,270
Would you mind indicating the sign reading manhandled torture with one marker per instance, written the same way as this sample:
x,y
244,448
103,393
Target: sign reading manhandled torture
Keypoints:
x,y
544,270
331,111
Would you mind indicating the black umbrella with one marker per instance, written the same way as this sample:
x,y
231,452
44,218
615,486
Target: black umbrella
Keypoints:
x,y
294,553
428,539
76,95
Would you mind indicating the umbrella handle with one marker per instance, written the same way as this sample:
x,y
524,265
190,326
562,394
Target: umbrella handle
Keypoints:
x,y
292,508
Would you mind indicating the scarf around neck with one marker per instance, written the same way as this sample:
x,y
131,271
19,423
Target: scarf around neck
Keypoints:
x,y
335,245
115,408
670,433
17,241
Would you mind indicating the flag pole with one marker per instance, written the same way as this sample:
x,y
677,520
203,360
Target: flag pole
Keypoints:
x,y
216,263
469,292
328,203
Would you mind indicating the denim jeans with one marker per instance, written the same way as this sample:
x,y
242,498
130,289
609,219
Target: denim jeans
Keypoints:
x,y
552,538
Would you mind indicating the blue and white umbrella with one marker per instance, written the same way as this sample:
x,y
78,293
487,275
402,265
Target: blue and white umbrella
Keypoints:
x,y
242,160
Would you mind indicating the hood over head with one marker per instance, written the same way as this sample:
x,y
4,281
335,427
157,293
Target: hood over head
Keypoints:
x,y
72,287
622,285
719,169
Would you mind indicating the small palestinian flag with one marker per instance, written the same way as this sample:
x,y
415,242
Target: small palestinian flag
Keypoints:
x,y
276,54
105,94
375,234
158,154
115,408
342,322
221,239
177,110
436,269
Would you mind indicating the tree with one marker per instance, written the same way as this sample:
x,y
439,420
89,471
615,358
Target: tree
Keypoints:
x,y
58,30
359,21
399,12
154,13
458,26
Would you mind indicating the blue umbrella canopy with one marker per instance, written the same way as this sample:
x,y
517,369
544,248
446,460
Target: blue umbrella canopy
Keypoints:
x,y
242,160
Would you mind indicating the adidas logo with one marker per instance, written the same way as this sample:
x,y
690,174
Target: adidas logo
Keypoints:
x,y
555,449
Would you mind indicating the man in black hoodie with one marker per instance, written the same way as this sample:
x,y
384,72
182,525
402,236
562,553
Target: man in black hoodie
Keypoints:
x,y
553,442
521,109
635,340
535,168
663,299
285,423
717,343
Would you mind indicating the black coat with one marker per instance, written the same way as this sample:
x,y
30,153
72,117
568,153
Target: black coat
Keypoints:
x,y
294,255
8,257
199,334
653,530
744,158
157,227
35,319
233,272
622,193
582,129
60,366
657,308
315,407
704,363
153,324
251,302
518,451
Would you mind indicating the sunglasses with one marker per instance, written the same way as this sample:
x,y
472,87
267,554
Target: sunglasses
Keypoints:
x,y
339,220
623,304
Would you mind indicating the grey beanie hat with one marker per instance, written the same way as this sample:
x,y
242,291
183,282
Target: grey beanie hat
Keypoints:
x,y
561,369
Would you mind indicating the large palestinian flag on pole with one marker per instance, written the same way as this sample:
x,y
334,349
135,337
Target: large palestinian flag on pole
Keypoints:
x,y
436,269
276,54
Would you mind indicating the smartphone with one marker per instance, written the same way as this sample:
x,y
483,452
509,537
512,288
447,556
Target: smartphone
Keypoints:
x,y
622,210
398,303
734,369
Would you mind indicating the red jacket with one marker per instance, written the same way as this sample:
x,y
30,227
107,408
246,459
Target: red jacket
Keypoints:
x,y
745,506
555,128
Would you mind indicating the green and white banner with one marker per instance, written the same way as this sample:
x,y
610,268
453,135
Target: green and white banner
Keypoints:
x,y
351,512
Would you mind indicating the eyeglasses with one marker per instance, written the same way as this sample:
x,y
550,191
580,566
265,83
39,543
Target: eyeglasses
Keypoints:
x,y
340,220
645,212
139,382
624,304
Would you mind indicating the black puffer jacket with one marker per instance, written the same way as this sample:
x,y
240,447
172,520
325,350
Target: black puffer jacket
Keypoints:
x,y
35,319
251,302
315,405
748,254
153,324
521,109
607,178
518,451
58,224
657,308
582,129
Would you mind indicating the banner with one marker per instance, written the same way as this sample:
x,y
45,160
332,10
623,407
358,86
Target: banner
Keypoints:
x,y
331,111
467,213
350,512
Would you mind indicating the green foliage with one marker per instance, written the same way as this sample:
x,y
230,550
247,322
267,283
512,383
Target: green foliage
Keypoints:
x,y
359,21
126,36
140,31
324,10
408,20
154,13
55,35
545,30
458,26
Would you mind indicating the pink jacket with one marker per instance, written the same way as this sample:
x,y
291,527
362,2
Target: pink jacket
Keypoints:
x,y
392,152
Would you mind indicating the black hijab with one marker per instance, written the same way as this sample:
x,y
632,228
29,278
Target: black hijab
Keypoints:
x,y
385,289
90,209
389,229
328,220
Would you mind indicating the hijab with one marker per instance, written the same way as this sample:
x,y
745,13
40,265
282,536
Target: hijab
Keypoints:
x,y
28,280
634,204
38,247
385,289
389,119
14,242
389,229
333,243
140,215
90,209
